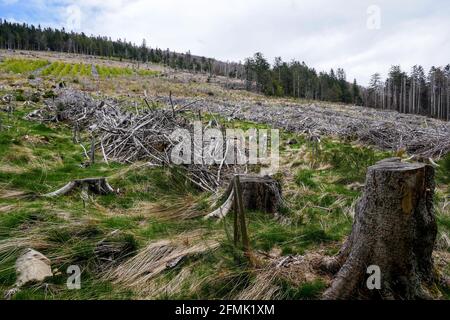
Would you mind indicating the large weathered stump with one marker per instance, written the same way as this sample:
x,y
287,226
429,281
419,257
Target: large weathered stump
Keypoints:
x,y
394,229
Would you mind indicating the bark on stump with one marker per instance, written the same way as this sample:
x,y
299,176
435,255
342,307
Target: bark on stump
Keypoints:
x,y
261,193
394,229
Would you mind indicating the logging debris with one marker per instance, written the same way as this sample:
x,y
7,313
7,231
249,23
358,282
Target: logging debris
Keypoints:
x,y
389,130
125,136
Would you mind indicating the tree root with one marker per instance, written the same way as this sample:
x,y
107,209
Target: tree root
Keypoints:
x,y
95,185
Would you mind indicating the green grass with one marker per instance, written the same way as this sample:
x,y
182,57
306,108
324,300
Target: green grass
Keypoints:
x,y
107,71
444,222
305,177
90,289
348,161
85,70
147,73
21,66
306,291
265,233
50,69
75,70
443,171
60,69
66,70
68,230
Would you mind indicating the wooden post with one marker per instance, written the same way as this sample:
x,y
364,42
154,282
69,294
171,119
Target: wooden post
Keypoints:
x,y
92,153
236,222
10,110
171,104
242,223
76,133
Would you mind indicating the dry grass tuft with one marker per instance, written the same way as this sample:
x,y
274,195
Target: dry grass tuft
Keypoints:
x,y
295,270
11,248
35,139
8,246
443,241
12,194
179,208
139,272
165,288
20,153
7,208
7,168
263,288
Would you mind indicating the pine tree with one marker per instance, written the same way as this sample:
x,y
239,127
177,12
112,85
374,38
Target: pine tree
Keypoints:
x,y
356,94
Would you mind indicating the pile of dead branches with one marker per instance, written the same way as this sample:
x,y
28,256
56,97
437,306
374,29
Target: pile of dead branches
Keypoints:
x,y
417,135
73,106
124,134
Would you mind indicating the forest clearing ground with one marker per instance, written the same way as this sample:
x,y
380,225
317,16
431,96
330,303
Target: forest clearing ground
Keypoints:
x,y
156,207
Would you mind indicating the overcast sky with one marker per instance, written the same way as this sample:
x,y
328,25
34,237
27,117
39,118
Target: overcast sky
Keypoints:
x,y
363,37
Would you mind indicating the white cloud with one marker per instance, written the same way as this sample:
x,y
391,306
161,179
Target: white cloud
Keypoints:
x,y
322,33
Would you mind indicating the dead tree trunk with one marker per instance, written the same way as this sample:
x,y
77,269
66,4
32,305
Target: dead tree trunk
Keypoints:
x,y
394,229
258,193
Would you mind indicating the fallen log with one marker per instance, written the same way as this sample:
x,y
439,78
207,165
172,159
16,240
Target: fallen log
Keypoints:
x,y
94,185
261,193
394,232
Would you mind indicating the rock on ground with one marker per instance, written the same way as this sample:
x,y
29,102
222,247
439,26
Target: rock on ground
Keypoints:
x,y
32,266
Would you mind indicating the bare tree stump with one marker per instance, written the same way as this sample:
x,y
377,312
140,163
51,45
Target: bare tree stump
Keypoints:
x,y
94,185
258,193
394,229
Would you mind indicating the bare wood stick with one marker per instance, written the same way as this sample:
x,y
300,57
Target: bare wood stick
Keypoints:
x,y
242,223
92,154
103,152
223,210
235,222
85,151
171,103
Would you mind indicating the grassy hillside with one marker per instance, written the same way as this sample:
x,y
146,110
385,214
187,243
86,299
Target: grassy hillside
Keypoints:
x,y
157,212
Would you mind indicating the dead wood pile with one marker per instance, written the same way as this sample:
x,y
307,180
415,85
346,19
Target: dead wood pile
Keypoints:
x,y
125,134
417,135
